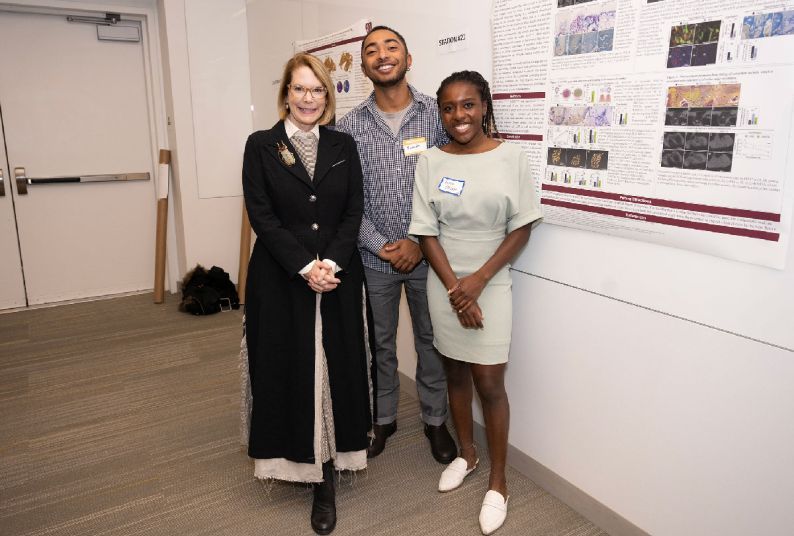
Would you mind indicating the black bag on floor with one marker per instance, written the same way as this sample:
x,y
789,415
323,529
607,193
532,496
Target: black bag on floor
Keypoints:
x,y
208,292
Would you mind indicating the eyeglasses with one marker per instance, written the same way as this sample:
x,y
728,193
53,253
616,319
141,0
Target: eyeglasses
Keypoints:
x,y
300,91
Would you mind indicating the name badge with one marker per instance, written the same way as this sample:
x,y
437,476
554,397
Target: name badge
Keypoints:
x,y
451,186
413,146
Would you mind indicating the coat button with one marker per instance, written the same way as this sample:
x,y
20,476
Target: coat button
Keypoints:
x,y
315,226
312,198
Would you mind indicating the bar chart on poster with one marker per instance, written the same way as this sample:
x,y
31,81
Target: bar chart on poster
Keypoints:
x,y
666,121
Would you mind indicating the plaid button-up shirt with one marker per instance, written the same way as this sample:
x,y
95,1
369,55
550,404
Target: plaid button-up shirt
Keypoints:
x,y
388,172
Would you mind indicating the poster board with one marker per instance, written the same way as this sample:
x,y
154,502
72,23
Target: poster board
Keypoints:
x,y
667,121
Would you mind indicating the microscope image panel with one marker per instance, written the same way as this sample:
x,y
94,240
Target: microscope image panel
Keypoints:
x,y
704,54
674,140
589,42
676,117
724,117
556,156
707,32
673,158
719,161
682,35
605,39
721,141
696,141
679,57
577,158
695,159
699,117
597,159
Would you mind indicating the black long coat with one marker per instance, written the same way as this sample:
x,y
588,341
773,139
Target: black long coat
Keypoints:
x,y
297,220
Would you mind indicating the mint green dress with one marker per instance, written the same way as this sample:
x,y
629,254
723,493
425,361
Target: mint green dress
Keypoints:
x,y
471,202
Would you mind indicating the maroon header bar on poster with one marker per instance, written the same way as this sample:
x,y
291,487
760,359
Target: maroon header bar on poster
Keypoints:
x,y
649,201
723,229
336,44
519,137
519,95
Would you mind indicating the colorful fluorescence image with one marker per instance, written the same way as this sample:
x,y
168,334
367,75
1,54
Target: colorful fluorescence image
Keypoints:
x,y
576,158
704,54
679,56
707,32
693,44
597,159
556,156
682,35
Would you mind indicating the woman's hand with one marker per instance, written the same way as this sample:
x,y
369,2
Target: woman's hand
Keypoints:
x,y
466,291
321,278
472,317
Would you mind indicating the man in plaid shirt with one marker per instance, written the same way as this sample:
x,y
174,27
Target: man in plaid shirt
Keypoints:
x,y
391,128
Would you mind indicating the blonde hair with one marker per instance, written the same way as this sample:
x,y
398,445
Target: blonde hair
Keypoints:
x,y
302,59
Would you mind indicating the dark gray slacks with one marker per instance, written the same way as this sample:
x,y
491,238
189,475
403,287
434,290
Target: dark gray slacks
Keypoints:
x,y
384,291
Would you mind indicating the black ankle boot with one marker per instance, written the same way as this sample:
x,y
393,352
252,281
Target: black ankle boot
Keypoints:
x,y
324,506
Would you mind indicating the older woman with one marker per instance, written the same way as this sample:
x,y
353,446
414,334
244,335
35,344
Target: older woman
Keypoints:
x,y
305,322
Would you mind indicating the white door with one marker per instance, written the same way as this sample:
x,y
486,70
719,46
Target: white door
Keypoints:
x,y
12,286
74,106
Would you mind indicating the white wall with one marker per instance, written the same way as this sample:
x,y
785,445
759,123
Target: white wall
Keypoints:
x,y
680,428
207,230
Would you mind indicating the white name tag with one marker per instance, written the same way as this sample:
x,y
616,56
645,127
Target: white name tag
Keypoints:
x,y
413,146
451,186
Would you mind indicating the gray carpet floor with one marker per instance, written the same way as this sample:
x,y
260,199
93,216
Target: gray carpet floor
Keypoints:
x,y
121,417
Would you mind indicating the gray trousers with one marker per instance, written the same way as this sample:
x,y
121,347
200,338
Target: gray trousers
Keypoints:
x,y
384,292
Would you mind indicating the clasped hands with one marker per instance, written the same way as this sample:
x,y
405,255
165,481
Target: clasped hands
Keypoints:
x,y
463,299
321,277
403,254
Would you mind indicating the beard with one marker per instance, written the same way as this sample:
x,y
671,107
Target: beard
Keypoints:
x,y
398,77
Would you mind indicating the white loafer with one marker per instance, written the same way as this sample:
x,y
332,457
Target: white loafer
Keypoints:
x,y
453,475
493,512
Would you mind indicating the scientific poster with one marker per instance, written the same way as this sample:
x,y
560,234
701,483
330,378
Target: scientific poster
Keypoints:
x,y
341,54
661,120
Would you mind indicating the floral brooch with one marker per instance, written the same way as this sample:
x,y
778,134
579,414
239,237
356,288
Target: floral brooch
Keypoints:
x,y
285,154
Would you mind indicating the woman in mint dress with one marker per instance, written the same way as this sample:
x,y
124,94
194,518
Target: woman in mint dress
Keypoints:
x,y
473,206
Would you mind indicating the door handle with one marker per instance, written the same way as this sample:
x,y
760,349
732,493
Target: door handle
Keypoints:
x,y
2,184
21,180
